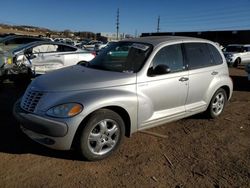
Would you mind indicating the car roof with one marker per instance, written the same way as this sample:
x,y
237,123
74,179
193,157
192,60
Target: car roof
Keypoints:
x,y
35,43
243,45
157,40
10,37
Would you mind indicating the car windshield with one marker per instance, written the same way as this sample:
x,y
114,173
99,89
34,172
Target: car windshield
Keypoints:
x,y
234,49
122,57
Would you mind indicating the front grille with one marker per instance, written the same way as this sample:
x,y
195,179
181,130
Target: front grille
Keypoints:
x,y
30,100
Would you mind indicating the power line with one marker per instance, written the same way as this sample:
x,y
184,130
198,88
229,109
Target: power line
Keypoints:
x,y
236,8
209,20
198,18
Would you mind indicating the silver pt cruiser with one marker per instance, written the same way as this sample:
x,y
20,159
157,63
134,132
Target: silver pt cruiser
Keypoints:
x,y
132,85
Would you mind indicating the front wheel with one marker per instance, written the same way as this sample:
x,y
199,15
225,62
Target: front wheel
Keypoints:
x,y
217,103
236,62
101,135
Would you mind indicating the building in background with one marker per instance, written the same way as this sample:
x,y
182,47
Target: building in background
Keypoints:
x,y
111,36
221,37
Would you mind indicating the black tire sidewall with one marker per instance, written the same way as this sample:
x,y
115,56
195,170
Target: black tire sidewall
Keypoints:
x,y
88,127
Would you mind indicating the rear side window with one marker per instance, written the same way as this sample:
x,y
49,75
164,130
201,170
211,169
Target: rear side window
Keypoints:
x,y
63,48
198,55
246,49
217,59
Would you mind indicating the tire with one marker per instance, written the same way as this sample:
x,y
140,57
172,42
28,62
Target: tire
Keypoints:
x,y
236,62
101,135
217,104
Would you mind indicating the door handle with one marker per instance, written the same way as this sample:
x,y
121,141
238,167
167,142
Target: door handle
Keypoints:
x,y
183,79
214,73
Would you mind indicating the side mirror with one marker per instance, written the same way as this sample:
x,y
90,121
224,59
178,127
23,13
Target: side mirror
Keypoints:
x,y
161,69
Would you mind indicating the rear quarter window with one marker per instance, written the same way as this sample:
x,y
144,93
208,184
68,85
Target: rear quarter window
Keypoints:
x,y
217,59
63,48
199,55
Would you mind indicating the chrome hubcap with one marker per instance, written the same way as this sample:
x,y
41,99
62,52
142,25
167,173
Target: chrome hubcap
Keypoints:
x,y
103,137
218,104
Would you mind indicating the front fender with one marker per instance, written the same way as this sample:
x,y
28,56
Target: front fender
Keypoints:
x,y
124,97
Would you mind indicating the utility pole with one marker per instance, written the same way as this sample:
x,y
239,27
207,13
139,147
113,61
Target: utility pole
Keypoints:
x,y
158,24
117,23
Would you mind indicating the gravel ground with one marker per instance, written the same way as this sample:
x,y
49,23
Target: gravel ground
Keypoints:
x,y
196,152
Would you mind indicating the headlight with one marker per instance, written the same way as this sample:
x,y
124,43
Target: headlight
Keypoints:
x,y
230,55
65,110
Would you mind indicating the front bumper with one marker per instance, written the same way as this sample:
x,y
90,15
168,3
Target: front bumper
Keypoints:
x,y
50,133
39,124
230,60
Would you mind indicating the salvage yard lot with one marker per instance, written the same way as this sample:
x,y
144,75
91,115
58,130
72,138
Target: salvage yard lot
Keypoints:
x,y
196,152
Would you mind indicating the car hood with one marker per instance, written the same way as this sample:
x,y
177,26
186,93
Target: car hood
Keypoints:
x,y
78,77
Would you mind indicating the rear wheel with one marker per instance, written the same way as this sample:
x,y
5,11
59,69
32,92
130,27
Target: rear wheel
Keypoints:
x,y
217,103
101,135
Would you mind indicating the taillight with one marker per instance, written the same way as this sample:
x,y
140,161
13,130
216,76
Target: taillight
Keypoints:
x,y
93,53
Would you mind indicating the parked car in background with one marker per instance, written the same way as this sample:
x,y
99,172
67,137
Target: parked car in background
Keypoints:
x,y
65,40
91,45
98,47
13,41
247,69
132,85
42,57
237,54
81,43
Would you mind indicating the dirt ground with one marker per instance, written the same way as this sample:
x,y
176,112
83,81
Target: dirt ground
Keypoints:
x,y
196,153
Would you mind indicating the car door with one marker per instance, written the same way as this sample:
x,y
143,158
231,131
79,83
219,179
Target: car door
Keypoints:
x,y
46,58
245,55
162,97
68,54
203,62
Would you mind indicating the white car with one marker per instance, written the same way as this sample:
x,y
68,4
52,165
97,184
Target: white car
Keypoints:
x,y
91,45
42,57
247,69
237,54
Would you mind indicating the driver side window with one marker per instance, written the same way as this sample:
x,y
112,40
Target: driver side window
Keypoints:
x,y
44,48
170,56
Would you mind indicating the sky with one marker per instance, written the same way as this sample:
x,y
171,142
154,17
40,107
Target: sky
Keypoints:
x,y
136,16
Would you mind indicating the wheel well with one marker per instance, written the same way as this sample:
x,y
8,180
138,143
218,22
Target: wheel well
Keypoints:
x,y
227,90
238,59
123,113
